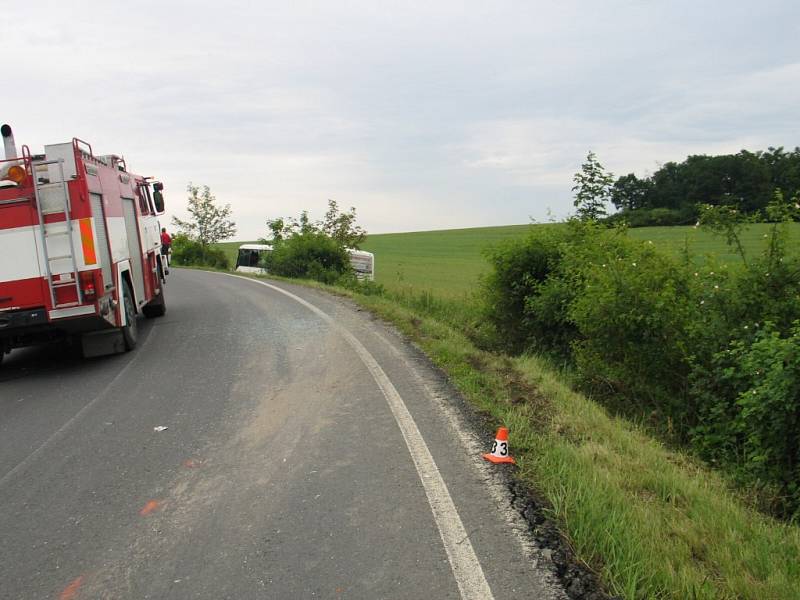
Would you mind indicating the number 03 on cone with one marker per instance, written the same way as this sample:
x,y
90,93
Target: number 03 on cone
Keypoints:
x,y
500,452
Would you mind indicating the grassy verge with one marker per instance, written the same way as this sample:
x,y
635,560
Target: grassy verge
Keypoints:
x,y
651,521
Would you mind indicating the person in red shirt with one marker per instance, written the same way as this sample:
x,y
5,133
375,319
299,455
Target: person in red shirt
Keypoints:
x,y
166,243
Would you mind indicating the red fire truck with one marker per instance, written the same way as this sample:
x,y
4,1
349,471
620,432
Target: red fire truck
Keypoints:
x,y
79,248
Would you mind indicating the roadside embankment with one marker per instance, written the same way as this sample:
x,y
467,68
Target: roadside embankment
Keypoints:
x,y
651,521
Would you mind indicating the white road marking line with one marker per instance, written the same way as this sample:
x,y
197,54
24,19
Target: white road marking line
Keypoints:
x,y
466,568
77,416
496,487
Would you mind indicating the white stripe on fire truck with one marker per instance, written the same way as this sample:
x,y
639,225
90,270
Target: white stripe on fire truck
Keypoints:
x,y
22,257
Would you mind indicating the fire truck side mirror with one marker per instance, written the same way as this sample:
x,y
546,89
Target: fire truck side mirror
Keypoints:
x,y
158,199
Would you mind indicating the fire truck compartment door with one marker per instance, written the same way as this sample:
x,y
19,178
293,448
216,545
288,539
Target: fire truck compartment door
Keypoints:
x,y
102,236
134,248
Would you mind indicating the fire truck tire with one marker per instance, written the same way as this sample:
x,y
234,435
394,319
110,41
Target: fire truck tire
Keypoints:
x,y
157,306
130,331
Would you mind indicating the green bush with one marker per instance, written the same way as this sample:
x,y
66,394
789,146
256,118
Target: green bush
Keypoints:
x,y
655,217
188,252
309,255
635,316
519,269
750,412
365,287
709,355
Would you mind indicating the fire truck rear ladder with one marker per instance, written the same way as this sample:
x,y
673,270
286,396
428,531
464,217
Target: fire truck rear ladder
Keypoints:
x,y
61,193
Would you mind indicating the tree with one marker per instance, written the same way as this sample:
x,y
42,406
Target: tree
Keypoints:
x,y
186,251
630,192
592,189
310,255
337,225
747,180
341,226
284,229
209,223
278,228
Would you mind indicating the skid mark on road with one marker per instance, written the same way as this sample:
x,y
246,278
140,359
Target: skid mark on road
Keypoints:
x,y
464,563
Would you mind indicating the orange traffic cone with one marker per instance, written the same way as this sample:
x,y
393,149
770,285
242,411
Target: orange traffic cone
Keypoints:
x,y
500,452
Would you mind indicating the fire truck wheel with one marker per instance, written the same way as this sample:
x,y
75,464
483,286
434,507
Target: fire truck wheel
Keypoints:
x,y
157,306
129,330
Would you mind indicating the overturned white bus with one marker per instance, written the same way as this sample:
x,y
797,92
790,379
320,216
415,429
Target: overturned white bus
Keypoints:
x,y
250,260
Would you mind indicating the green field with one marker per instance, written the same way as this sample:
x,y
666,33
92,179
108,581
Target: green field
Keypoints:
x,y
449,263
651,520
446,262
702,243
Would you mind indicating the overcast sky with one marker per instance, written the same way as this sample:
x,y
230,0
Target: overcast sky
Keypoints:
x,y
429,115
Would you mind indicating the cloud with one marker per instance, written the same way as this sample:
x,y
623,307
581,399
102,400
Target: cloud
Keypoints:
x,y
423,115
749,110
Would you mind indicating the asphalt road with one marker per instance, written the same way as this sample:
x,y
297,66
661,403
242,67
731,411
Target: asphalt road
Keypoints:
x,y
309,453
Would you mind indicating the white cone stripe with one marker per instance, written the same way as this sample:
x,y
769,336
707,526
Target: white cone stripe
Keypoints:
x,y
464,563
497,448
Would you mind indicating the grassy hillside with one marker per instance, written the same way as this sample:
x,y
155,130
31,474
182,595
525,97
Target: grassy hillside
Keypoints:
x,y
448,263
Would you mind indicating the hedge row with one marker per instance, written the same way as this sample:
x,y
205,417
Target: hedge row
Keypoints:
x,y
710,354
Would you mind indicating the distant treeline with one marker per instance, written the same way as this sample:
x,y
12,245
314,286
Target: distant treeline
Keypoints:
x,y
670,196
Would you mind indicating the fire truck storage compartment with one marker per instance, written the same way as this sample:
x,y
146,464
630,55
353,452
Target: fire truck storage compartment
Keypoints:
x,y
96,201
134,248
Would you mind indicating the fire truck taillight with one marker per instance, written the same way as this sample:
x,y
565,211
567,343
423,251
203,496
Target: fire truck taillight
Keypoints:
x,y
87,285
